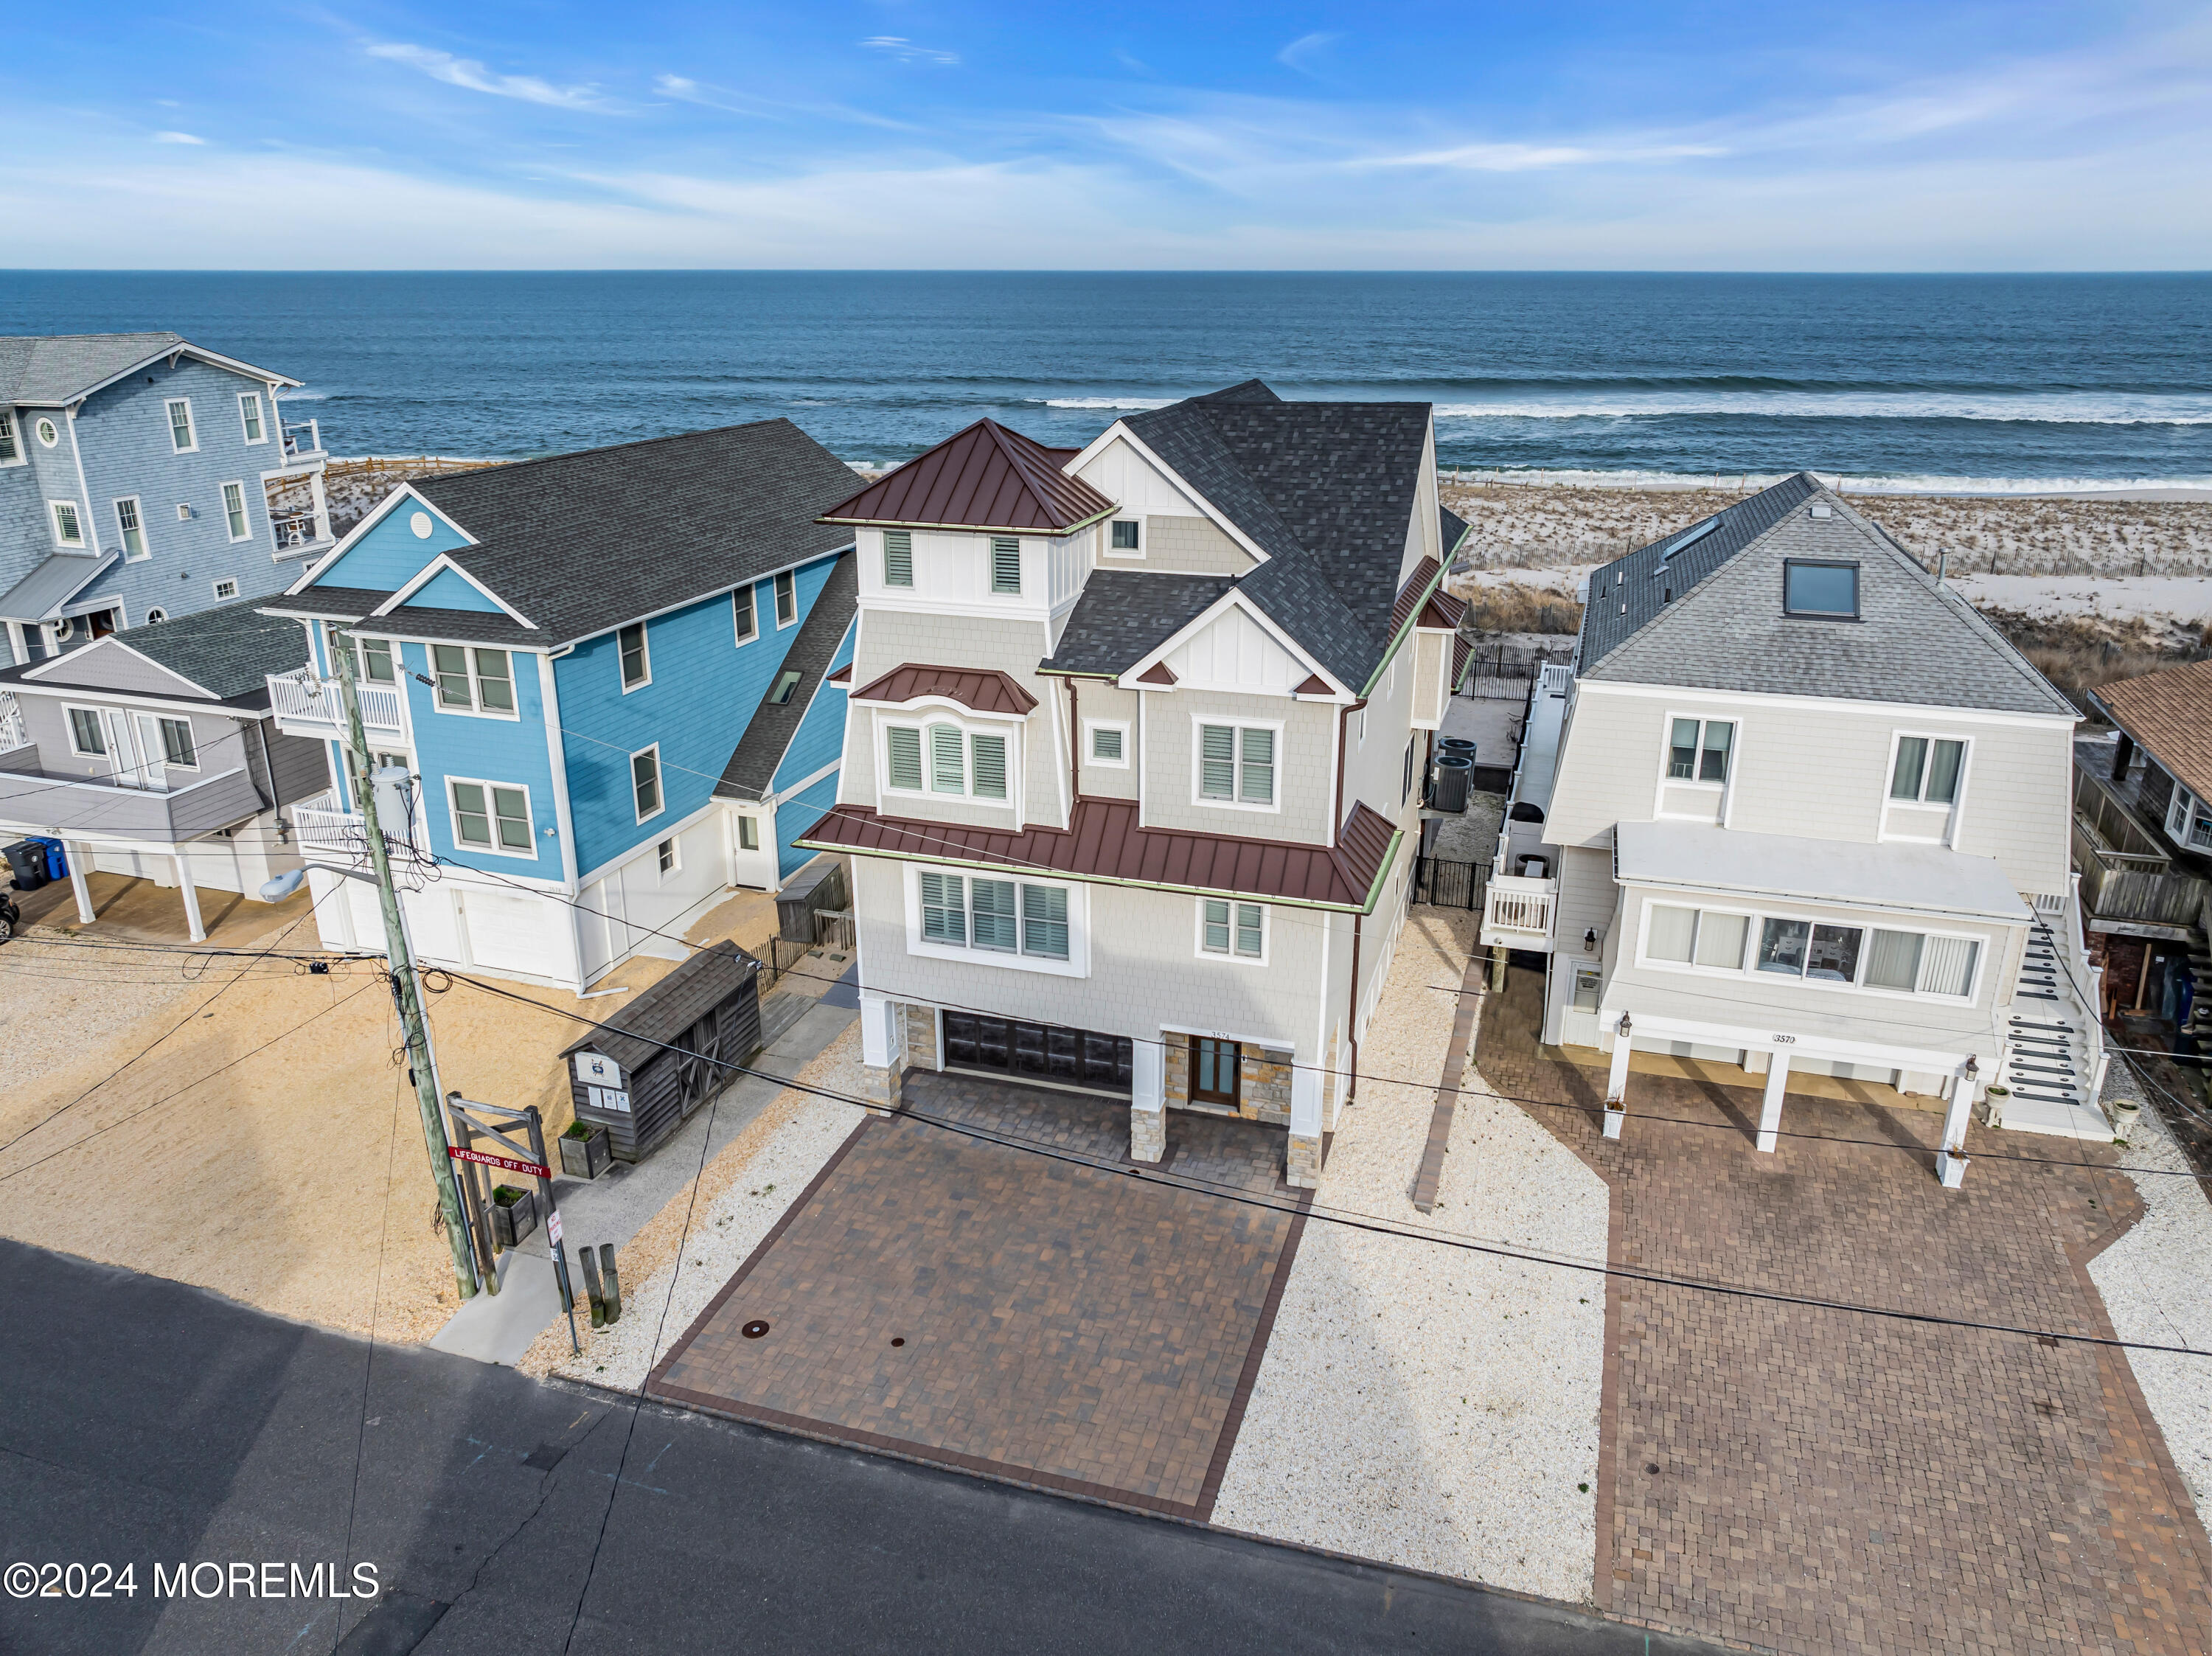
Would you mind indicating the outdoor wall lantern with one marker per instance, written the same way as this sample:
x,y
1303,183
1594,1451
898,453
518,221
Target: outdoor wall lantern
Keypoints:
x,y
1589,941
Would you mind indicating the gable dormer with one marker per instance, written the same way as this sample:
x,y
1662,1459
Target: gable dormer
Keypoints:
x,y
1160,522
390,547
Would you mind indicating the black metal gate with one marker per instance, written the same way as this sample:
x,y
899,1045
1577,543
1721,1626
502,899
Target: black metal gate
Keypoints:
x,y
1449,885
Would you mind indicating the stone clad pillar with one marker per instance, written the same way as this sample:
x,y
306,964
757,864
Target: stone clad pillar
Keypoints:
x,y
1770,1104
1302,1162
1148,1116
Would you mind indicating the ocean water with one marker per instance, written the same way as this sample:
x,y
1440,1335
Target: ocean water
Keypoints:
x,y
2001,383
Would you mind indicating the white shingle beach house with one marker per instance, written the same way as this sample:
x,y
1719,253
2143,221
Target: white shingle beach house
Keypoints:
x,y
1796,809
1134,749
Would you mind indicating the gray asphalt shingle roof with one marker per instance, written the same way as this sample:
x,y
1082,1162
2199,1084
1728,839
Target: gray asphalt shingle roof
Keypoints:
x,y
228,652
581,543
1123,614
1710,617
40,594
768,736
49,369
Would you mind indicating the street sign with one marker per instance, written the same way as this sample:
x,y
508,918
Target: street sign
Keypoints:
x,y
553,1227
536,1169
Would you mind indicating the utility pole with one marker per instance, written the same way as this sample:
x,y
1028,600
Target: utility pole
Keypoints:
x,y
406,992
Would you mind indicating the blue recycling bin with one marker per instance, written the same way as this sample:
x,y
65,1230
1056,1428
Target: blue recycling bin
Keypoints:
x,y
57,857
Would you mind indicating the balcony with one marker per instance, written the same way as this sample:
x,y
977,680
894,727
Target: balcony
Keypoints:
x,y
298,532
303,440
2131,875
306,706
334,833
1518,911
34,800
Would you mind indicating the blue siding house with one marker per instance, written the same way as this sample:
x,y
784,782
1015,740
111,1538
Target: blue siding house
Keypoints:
x,y
607,675
144,477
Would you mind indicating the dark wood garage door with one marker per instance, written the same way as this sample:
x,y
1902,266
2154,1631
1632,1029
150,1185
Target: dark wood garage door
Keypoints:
x,y
1040,1051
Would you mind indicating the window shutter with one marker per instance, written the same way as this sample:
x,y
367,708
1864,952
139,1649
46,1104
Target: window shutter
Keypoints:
x,y
1259,783
898,557
1217,770
1217,927
943,908
1044,921
990,763
905,757
992,902
947,773
1006,564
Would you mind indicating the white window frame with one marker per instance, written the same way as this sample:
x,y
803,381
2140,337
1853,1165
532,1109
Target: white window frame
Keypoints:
x,y
1722,791
1078,963
668,856
1240,724
137,511
644,655
2181,811
50,434
249,415
161,723
748,823
476,709
99,722
245,532
1114,551
76,510
884,564
12,433
745,601
991,567
786,582
660,782
1754,922
1090,751
491,811
155,615
1956,810
922,719
1231,956
169,407
231,581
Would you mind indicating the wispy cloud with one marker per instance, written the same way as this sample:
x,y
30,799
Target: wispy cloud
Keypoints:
x,y
1301,52
176,137
707,95
1531,157
898,46
472,74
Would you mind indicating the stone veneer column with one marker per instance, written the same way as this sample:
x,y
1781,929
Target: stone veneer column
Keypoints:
x,y
1176,1049
1302,1162
922,1037
1148,1116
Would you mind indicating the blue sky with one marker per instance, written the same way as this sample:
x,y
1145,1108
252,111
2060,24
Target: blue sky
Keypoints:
x,y
919,133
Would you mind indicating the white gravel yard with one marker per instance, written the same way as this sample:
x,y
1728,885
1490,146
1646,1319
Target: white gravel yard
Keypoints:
x,y
2153,1284
1419,1404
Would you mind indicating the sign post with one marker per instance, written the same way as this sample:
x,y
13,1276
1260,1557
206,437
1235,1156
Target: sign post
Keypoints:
x,y
496,1122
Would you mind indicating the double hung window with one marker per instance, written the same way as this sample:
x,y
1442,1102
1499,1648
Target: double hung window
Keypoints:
x,y
69,527
898,557
249,415
491,816
1006,564
1698,749
945,759
1235,929
1237,764
636,669
787,598
1927,770
473,681
234,511
645,781
127,526
181,437
1005,917
746,615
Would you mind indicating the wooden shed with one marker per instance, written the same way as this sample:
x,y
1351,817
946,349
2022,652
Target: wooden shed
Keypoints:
x,y
624,1075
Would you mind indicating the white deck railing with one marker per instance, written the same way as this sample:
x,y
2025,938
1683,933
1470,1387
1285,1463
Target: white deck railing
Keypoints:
x,y
298,698
1517,911
2085,982
337,831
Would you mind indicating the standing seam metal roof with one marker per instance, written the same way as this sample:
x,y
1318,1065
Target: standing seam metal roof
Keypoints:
x,y
984,477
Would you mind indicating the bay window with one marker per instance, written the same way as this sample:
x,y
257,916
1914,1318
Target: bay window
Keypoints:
x,y
2188,823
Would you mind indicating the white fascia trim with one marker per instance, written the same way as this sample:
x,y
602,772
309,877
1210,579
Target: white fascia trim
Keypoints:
x,y
1892,710
720,592
430,572
383,509
769,801
660,831
169,353
1273,1043
1781,904
556,752
1221,520
1796,1044
45,667
1234,599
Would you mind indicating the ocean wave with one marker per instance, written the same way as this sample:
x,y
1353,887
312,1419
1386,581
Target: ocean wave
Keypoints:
x,y
1133,403
2069,407
305,396
1849,483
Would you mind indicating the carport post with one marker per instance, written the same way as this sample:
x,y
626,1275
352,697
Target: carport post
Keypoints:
x,y
1951,1160
1770,1104
191,896
1616,1081
76,856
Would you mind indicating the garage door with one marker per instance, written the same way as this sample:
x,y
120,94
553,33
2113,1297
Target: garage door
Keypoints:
x,y
510,933
1038,1052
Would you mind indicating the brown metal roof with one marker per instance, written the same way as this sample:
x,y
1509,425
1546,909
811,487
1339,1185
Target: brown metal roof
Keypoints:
x,y
984,689
1314,685
984,477
1106,844
1412,592
2169,713
841,676
1443,612
1158,673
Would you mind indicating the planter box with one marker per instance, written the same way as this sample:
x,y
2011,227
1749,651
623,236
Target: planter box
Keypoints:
x,y
585,1156
514,1214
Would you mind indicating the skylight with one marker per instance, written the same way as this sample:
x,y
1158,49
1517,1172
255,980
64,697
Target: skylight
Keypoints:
x,y
1690,537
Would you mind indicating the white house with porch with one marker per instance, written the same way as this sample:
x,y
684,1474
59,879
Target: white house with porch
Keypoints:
x,y
1796,810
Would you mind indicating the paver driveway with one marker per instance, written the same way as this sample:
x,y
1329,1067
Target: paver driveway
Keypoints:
x,y
1808,1480
1094,1329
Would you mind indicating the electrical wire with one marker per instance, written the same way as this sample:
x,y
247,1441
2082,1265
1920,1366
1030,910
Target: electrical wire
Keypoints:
x,y
1354,1220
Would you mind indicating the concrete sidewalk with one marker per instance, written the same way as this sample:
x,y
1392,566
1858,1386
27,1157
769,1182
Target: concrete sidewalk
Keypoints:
x,y
614,1207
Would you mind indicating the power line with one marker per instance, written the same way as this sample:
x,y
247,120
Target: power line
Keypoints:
x,y
1351,1219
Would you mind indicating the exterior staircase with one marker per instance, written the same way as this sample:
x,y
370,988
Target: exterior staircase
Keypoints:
x,y
2054,1045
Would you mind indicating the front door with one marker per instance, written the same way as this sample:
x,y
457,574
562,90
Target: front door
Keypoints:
x,y
123,755
152,754
1213,1072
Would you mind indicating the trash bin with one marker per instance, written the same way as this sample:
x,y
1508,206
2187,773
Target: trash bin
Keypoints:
x,y
27,861
57,857
1450,794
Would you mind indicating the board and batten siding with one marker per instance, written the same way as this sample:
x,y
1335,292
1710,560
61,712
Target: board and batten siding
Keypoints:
x,y
1818,772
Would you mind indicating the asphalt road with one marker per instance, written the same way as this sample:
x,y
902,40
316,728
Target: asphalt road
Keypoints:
x,y
148,1424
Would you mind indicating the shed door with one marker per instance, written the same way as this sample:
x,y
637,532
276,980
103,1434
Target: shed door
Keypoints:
x,y
508,933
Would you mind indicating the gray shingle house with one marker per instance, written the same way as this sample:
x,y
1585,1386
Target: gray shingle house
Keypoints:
x,y
1796,810
144,477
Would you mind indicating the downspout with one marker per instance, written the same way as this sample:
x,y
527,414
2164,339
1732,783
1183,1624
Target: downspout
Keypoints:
x,y
1351,1020
1074,747
1343,741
